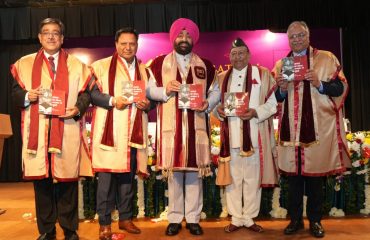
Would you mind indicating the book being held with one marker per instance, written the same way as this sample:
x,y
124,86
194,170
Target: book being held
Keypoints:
x,y
294,68
236,103
52,102
133,91
190,96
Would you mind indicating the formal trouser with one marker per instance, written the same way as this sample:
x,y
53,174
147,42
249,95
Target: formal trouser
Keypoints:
x,y
56,201
311,187
185,197
116,189
243,195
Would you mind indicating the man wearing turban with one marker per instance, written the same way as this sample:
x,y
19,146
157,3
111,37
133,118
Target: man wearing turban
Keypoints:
x,y
182,136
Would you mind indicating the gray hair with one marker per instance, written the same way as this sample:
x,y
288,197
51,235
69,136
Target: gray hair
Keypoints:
x,y
301,23
54,21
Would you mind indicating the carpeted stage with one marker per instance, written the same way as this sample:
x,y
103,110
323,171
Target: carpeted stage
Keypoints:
x,y
18,199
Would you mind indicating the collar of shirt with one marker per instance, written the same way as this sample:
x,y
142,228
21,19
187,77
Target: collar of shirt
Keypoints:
x,y
130,68
55,56
302,53
183,61
238,73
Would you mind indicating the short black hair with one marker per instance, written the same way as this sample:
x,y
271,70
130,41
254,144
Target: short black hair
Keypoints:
x,y
52,20
126,30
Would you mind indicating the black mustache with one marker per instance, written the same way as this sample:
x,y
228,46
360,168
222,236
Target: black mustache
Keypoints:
x,y
184,42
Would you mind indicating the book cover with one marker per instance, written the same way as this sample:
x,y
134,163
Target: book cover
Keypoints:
x,y
294,68
127,91
190,96
138,91
300,67
52,102
133,91
235,103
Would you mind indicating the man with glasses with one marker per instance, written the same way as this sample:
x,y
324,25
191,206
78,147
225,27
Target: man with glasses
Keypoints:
x,y
51,144
246,160
312,141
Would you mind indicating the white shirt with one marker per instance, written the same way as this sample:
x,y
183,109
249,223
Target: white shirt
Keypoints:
x,y
131,69
183,62
263,111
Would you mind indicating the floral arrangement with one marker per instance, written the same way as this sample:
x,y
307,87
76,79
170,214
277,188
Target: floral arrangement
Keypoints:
x,y
359,146
151,151
352,186
215,143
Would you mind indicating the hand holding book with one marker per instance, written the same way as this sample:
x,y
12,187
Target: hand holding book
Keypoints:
x,y
313,78
248,114
172,87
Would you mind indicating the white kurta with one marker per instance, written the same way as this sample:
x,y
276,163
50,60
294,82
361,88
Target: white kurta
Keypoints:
x,y
245,171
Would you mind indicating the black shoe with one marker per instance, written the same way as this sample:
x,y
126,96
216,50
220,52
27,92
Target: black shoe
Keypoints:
x,y
194,228
317,230
47,236
173,229
71,236
293,227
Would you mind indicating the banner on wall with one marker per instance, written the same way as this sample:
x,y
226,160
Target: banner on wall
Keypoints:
x,y
266,47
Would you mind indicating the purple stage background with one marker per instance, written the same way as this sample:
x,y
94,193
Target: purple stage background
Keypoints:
x,y
266,47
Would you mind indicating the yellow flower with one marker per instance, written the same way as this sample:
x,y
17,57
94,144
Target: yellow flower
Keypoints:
x,y
349,136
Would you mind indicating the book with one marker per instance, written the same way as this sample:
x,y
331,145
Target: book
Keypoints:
x,y
133,91
52,102
236,103
190,96
294,68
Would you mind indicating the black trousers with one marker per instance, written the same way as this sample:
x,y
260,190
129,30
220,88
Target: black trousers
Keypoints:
x,y
311,187
56,201
116,189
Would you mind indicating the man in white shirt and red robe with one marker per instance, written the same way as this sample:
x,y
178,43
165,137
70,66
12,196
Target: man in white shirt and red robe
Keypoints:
x,y
119,134
52,144
182,137
246,161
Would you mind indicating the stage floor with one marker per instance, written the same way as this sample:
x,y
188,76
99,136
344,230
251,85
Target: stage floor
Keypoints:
x,y
18,199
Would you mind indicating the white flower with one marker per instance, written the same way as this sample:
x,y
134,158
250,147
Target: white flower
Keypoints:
x,y
362,171
334,212
151,153
356,163
355,147
88,127
203,215
159,177
360,136
152,168
215,150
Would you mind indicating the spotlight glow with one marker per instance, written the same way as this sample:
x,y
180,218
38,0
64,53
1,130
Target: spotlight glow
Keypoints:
x,y
270,37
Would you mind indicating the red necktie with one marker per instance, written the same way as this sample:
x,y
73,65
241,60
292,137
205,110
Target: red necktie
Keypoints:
x,y
52,65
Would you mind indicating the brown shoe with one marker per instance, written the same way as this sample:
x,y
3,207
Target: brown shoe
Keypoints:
x,y
255,228
105,232
128,226
231,228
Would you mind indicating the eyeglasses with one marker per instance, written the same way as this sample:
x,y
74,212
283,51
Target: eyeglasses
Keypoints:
x,y
299,35
51,34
